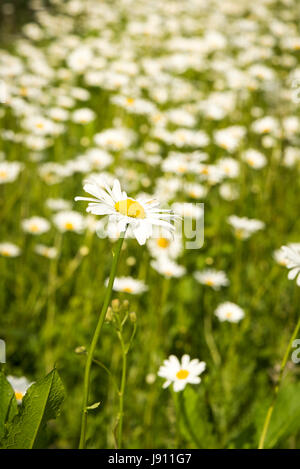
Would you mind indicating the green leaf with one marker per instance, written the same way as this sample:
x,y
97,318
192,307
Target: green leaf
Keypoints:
x,y
41,403
285,420
8,404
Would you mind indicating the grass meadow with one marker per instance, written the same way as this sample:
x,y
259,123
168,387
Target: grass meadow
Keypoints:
x,y
187,103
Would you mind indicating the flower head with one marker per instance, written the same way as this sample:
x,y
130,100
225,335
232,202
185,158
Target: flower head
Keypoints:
x,y
292,262
229,312
181,373
140,214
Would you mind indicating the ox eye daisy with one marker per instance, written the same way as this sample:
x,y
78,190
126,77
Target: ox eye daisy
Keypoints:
x,y
140,214
36,225
212,278
129,285
181,372
292,257
9,250
229,312
69,220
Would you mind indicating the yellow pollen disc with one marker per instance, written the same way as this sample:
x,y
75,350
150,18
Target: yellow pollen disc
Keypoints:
x,y
250,162
239,234
23,91
163,243
130,101
40,125
228,315
34,228
204,171
5,253
182,374
127,290
19,395
210,283
130,208
182,169
3,174
69,226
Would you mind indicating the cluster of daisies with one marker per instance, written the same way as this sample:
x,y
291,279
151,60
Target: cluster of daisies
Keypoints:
x,y
102,93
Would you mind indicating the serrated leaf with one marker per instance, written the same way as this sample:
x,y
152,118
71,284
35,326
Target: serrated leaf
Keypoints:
x,y
41,403
8,403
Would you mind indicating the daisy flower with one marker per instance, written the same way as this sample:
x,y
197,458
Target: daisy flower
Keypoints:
x,y
181,373
293,262
36,225
244,227
19,385
140,214
9,171
168,268
212,278
9,250
46,251
69,220
229,312
129,285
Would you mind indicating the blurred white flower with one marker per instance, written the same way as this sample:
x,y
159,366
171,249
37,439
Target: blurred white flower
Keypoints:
x,y
36,225
69,220
229,312
9,250
212,278
129,285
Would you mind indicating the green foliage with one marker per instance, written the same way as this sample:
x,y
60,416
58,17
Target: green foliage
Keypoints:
x,y
41,403
8,404
285,421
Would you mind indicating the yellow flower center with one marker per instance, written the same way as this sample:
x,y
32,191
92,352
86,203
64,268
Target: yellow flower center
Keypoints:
x,y
3,174
163,243
5,253
127,290
182,374
34,228
69,226
19,395
130,101
209,282
23,91
40,125
130,208
228,315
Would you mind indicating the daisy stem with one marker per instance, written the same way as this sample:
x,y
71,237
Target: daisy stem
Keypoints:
x,y
122,390
276,389
91,351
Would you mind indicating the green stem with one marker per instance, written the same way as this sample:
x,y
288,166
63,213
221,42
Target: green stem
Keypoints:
x,y
276,390
94,342
121,393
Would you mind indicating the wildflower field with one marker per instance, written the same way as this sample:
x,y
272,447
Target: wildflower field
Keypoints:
x,y
149,233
